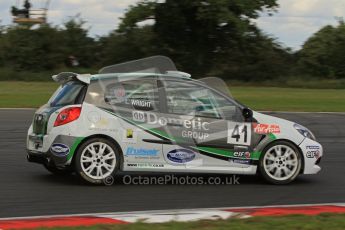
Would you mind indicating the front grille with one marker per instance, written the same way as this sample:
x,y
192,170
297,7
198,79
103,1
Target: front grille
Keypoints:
x,y
40,124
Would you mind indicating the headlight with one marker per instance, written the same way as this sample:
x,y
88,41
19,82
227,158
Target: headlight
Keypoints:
x,y
304,131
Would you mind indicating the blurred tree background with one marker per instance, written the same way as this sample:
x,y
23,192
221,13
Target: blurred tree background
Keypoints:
x,y
203,37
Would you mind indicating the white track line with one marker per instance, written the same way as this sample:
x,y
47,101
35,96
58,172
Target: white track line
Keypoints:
x,y
175,211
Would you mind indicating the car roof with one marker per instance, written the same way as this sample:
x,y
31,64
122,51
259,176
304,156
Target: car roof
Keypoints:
x,y
158,66
169,74
87,78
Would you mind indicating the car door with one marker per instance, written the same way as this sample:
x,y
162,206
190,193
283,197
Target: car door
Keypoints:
x,y
207,129
132,100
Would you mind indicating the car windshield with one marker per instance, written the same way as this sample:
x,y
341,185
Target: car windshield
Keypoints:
x,y
66,94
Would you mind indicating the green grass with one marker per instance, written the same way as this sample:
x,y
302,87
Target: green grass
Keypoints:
x,y
25,94
295,82
324,221
34,94
289,99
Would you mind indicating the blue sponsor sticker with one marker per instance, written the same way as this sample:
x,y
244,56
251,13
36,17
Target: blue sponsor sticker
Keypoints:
x,y
60,150
241,161
141,152
181,155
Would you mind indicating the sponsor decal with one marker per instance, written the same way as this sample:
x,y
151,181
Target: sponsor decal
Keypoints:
x,y
154,119
195,135
103,130
94,117
60,150
116,95
119,91
138,116
242,154
129,133
240,148
266,128
193,128
181,156
313,147
141,152
139,103
313,151
313,154
145,165
129,136
240,161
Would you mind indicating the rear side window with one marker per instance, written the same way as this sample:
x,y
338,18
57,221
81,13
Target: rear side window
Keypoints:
x,y
70,93
136,94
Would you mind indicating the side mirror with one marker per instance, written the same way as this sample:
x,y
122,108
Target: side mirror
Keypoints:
x,y
247,113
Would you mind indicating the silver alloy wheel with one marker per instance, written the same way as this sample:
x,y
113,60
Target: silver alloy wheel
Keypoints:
x,y
281,162
98,160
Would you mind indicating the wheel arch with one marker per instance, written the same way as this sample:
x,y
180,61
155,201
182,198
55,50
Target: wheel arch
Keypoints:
x,y
109,138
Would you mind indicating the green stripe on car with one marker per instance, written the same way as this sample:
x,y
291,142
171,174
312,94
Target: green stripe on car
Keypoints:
x,y
76,143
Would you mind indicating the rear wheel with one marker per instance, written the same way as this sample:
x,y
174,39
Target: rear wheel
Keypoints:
x,y
280,163
97,160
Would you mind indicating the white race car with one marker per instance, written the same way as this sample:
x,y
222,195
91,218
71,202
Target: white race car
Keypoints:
x,y
147,116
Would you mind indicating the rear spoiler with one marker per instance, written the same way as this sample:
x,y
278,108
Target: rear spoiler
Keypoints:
x,y
64,77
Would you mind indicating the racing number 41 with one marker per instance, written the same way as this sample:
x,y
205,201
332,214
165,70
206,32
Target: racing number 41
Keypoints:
x,y
239,133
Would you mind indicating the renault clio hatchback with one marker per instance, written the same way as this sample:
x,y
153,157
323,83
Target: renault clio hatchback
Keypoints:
x,y
147,116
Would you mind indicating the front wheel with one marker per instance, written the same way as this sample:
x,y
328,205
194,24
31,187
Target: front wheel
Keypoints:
x,y
280,163
97,160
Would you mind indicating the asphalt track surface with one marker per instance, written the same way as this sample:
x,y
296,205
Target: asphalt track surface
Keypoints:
x,y
27,189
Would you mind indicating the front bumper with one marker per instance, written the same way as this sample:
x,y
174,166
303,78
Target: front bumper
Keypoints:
x,y
312,153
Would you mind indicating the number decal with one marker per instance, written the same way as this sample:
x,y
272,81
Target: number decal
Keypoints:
x,y
236,133
245,132
239,133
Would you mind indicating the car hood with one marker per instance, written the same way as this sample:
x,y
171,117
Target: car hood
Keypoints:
x,y
267,119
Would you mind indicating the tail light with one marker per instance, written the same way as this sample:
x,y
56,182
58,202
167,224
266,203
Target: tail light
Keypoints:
x,y
67,115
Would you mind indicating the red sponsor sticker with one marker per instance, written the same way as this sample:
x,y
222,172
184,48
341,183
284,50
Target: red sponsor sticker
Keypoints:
x,y
247,155
266,128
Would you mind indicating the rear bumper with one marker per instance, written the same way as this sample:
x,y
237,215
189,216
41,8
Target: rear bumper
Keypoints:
x,y
38,158
41,150
45,159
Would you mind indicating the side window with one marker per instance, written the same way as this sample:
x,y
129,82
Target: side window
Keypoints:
x,y
227,108
138,94
190,99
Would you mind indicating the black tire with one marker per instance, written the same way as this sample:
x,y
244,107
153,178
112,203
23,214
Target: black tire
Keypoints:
x,y
295,172
107,180
58,171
